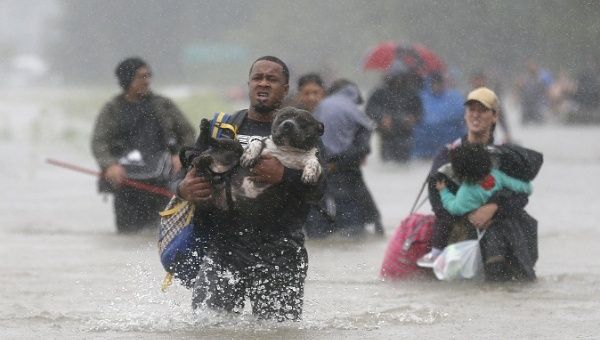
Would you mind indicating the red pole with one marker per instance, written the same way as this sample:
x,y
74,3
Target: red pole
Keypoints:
x,y
128,182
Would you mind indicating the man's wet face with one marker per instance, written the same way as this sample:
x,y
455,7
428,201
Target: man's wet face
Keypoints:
x,y
267,86
140,85
310,95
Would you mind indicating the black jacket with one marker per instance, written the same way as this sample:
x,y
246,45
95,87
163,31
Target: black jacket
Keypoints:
x,y
513,233
258,231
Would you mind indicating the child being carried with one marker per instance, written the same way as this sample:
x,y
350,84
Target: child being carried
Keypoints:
x,y
472,165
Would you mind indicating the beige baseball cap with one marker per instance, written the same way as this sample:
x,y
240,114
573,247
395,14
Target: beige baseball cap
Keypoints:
x,y
485,96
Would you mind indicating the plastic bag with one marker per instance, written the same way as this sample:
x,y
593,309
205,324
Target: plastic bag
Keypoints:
x,y
461,260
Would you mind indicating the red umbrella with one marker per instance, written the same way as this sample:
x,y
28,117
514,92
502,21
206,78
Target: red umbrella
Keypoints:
x,y
381,57
414,56
431,61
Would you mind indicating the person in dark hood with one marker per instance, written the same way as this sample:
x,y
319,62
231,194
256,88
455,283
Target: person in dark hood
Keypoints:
x,y
397,108
347,144
138,135
263,259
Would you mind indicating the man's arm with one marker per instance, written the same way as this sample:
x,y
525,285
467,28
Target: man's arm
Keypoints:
x,y
415,109
183,130
191,187
355,154
375,105
104,134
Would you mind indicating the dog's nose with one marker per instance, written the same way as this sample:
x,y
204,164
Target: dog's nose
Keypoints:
x,y
287,125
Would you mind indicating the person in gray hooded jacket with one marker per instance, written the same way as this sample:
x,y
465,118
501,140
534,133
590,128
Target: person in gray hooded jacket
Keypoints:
x,y
347,143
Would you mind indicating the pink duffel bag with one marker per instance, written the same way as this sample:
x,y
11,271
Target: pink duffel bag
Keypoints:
x,y
410,241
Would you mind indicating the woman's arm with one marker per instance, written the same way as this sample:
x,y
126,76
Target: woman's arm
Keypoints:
x,y
502,204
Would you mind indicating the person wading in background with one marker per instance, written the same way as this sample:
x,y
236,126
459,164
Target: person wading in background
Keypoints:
x,y
138,135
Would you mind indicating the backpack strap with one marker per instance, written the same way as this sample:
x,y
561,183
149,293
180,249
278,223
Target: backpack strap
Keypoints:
x,y
237,118
224,123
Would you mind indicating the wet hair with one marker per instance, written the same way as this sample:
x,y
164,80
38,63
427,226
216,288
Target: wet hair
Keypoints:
x,y
286,70
471,162
340,84
126,69
310,78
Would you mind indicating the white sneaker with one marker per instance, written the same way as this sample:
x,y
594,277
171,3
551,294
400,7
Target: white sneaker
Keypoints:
x,y
427,260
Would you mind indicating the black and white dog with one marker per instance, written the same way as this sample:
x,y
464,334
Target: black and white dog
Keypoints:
x,y
294,140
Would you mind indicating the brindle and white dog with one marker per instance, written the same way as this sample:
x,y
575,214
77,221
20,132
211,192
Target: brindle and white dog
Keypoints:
x,y
294,140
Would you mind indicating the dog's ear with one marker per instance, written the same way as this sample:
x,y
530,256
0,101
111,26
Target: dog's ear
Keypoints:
x,y
202,164
204,132
321,129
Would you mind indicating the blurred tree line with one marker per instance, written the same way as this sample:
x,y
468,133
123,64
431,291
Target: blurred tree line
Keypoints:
x,y
331,36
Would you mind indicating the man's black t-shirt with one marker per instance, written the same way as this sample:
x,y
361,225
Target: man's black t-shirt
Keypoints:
x,y
258,233
250,127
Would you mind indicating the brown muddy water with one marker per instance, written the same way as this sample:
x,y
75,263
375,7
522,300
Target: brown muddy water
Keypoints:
x,y
66,274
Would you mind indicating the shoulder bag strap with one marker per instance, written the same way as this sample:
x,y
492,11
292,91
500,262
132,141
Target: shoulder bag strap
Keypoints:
x,y
417,205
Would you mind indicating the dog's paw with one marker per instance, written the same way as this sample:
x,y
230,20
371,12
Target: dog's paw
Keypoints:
x,y
312,172
247,161
251,155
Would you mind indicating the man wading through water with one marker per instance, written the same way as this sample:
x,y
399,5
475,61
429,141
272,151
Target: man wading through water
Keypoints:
x,y
263,258
138,135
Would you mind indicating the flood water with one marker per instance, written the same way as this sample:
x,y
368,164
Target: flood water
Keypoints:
x,y
66,274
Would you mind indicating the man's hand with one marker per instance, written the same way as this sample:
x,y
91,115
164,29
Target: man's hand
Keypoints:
x,y
194,189
115,174
482,216
268,170
386,122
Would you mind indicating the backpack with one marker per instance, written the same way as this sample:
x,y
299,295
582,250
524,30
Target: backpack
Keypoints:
x,y
180,244
410,241
519,162
226,126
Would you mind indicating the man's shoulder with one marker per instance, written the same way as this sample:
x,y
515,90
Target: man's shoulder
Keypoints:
x,y
114,103
238,113
379,93
116,99
159,99
236,118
